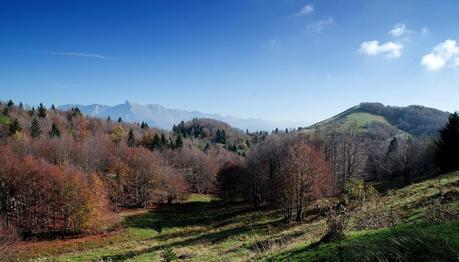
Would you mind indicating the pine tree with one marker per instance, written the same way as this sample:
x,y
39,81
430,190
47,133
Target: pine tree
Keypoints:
x,y
393,146
41,111
32,111
163,140
53,107
14,126
179,141
156,142
5,111
447,146
54,132
131,139
10,103
35,128
120,120
21,106
223,136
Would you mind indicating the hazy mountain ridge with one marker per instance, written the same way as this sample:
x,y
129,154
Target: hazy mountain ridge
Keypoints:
x,y
159,116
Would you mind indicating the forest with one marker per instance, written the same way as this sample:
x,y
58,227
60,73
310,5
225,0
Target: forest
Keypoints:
x,y
64,175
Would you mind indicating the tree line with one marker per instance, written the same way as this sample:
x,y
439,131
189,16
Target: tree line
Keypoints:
x,y
292,170
64,173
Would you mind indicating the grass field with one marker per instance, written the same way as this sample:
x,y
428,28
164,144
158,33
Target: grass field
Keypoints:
x,y
204,229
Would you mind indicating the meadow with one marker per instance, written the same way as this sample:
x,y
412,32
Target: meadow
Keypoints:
x,y
206,229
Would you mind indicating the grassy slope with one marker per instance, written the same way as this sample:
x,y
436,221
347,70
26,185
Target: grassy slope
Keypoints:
x,y
206,230
343,120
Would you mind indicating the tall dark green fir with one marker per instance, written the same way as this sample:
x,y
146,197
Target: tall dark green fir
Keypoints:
x,y
41,111
179,141
35,130
131,139
54,132
15,127
447,145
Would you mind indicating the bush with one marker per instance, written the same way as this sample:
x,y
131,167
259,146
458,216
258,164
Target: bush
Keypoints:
x,y
438,212
337,221
356,192
372,215
168,255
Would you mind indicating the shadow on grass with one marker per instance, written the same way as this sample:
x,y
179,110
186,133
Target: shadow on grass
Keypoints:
x,y
207,216
214,213
209,238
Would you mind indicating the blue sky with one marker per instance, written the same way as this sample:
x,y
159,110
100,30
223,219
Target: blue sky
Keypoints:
x,y
279,60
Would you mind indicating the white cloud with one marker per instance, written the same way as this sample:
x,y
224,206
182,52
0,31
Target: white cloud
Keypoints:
x,y
321,25
399,30
306,10
444,54
391,49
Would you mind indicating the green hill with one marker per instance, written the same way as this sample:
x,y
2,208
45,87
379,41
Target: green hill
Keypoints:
x,y
386,121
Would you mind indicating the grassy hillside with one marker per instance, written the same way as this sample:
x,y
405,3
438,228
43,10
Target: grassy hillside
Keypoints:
x,y
203,229
394,121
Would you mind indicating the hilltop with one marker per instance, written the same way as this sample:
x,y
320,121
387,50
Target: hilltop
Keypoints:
x,y
387,121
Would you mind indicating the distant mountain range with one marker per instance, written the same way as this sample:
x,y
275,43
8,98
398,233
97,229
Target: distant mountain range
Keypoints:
x,y
161,117
387,121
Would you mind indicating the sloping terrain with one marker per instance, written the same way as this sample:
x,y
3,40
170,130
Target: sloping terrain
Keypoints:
x,y
386,121
203,229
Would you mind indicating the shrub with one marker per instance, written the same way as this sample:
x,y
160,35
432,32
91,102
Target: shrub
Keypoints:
x,y
373,215
337,221
438,211
168,255
356,192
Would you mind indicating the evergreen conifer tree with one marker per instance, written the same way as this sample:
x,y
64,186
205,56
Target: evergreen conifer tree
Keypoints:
x,y
54,132
5,111
179,141
131,139
41,111
14,126
447,145
35,128
163,140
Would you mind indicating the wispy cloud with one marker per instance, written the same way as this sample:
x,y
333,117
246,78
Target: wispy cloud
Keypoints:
x,y
320,25
305,10
425,30
78,54
69,54
373,48
274,43
399,30
445,54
